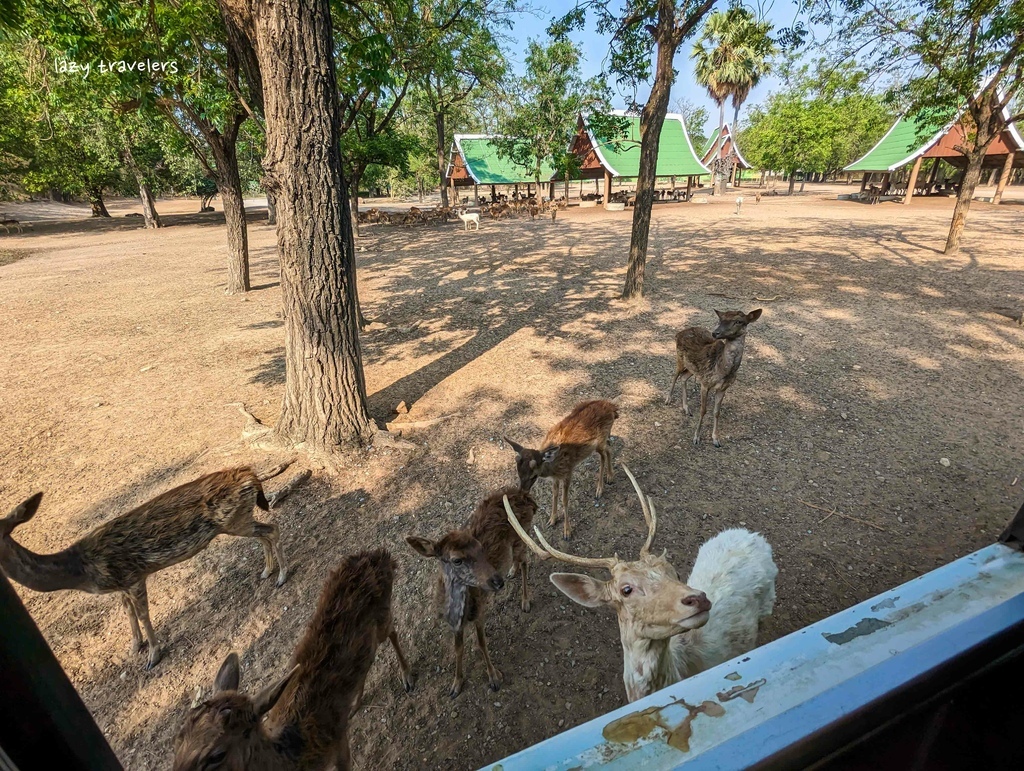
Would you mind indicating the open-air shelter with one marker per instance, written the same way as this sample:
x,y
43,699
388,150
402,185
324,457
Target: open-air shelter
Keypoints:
x,y
916,139
620,157
474,160
723,147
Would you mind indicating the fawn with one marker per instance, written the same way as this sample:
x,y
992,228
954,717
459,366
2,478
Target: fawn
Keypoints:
x,y
583,431
309,709
120,555
671,630
714,357
471,563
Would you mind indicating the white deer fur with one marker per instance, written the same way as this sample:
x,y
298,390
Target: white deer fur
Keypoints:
x,y
473,217
667,635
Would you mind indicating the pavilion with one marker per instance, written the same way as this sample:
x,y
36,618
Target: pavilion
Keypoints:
x,y
723,149
620,157
914,139
474,160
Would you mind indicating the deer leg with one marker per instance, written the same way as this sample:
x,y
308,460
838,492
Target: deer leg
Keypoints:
x,y
456,688
719,396
272,554
600,471
609,470
555,482
493,675
133,622
671,388
343,755
566,527
408,680
357,704
703,410
140,604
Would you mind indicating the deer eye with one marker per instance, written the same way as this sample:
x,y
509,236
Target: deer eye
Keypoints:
x,y
626,590
216,758
457,561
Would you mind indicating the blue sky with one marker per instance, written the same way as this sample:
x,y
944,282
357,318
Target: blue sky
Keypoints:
x,y
595,48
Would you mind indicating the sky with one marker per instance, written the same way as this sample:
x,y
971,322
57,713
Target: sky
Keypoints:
x,y
595,49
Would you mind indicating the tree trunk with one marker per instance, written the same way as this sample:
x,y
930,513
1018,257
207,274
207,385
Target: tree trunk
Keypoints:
x,y
229,185
442,162
792,182
271,209
1004,178
970,180
719,176
325,393
651,120
149,212
99,209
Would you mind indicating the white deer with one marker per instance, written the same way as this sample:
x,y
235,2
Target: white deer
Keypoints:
x,y
739,203
473,217
671,630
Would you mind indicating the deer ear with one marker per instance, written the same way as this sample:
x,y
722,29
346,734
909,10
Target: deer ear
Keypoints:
x,y
422,546
587,591
518,448
25,511
228,675
268,697
550,455
754,315
719,314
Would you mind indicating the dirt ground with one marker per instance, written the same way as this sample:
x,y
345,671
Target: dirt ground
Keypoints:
x,y
876,358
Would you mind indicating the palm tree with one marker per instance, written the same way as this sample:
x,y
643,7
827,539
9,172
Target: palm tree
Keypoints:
x,y
731,57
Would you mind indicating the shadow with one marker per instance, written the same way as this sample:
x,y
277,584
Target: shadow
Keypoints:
x,y
272,371
273,324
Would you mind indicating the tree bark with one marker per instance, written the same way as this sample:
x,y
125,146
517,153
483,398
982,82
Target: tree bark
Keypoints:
x,y
229,185
1004,178
325,394
271,209
651,120
442,163
719,176
970,180
99,209
792,182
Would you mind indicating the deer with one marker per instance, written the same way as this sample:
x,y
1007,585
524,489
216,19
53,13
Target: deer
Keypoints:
x,y
301,720
670,630
583,431
120,555
471,562
739,203
714,358
470,217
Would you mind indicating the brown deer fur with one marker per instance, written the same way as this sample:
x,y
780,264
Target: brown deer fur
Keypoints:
x,y
583,431
309,709
120,555
714,358
472,561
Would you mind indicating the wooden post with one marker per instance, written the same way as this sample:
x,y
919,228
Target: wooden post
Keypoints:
x,y
864,181
551,191
1004,178
689,184
476,195
887,182
913,179
931,177
494,194
607,186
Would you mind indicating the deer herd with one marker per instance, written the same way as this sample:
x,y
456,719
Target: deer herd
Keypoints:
x,y
669,629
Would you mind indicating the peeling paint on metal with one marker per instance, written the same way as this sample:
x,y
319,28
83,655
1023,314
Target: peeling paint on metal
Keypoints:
x,y
746,692
862,628
888,602
734,676
640,725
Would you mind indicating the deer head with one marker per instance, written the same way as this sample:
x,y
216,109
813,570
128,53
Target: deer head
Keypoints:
x,y
733,324
226,732
647,595
532,464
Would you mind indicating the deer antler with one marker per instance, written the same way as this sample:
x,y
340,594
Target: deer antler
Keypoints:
x,y
650,515
548,550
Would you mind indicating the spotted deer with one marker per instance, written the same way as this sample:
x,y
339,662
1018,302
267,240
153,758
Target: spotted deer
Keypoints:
x,y
301,720
714,358
584,431
121,554
670,630
471,562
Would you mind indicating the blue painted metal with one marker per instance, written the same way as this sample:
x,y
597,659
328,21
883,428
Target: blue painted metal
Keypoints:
x,y
735,698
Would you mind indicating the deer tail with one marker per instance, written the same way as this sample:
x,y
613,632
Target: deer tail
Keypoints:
x,y
261,500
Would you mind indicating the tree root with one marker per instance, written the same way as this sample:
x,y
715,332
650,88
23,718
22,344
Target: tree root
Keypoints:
x,y
280,494
1014,315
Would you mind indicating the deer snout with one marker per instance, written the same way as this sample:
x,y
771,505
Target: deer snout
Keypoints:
x,y
496,582
699,602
